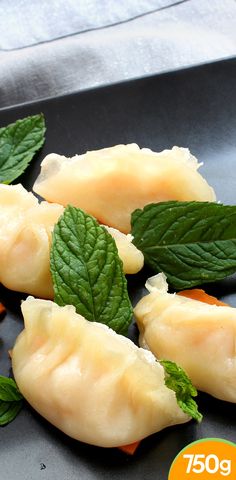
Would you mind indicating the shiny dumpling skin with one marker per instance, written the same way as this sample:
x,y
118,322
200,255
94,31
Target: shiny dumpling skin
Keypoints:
x,y
201,338
131,257
25,240
111,183
91,383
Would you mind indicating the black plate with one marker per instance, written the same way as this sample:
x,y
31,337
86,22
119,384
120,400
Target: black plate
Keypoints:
x,y
195,108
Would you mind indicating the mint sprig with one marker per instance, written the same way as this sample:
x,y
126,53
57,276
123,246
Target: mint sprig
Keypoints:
x,y
10,400
191,242
87,271
19,142
177,380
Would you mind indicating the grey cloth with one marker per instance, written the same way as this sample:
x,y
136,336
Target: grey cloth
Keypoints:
x,y
48,58
28,22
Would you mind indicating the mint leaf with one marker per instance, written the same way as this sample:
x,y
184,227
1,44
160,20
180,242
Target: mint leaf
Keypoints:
x,y
9,411
87,271
177,380
191,242
10,400
18,143
8,390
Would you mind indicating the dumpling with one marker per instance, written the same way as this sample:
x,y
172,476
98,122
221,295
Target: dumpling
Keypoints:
x,y
131,257
201,338
91,383
111,183
25,239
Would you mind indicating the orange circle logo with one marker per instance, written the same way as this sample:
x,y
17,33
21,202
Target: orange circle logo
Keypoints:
x,y
207,459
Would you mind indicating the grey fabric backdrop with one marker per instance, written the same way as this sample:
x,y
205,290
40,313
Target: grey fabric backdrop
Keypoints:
x,y
51,48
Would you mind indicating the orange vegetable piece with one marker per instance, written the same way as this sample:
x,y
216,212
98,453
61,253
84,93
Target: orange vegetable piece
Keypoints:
x,y
201,296
2,308
130,449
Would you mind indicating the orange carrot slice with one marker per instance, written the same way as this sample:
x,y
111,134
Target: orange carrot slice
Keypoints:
x,y
2,308
201,296
130,449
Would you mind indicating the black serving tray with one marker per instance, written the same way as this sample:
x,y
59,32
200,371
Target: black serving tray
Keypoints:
x,y
194,108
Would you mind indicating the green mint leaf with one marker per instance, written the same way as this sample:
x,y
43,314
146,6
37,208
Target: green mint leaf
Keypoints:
x,y
10,400
191,242
8,390
9,411
177,380
87,271
18,143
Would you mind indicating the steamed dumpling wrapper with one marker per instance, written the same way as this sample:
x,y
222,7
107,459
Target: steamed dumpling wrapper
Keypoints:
x,y
132,258
90,382
111,183
25,239
201,338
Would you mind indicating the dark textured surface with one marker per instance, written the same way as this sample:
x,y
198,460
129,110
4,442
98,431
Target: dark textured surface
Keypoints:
x,y
194,108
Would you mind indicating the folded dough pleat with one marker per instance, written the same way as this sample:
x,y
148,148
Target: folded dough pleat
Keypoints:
x,y
93,384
